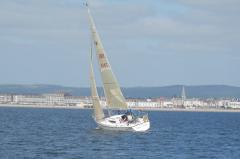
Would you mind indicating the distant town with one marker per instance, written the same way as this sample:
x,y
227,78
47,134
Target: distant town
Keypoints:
x,y
61,99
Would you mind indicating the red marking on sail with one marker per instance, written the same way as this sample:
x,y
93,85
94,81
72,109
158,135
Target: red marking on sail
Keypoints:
x,y
101,56
104,65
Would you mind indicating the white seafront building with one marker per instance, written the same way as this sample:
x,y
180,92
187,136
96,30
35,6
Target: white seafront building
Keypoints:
x,y
6,98
234,105
52,99
28,99
143,103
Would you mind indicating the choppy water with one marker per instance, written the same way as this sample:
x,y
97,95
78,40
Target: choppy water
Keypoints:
x,y
71,134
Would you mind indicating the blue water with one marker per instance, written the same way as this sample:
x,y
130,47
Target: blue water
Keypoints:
x,y
27,133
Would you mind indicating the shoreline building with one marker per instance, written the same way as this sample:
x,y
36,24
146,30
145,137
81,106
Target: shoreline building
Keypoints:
x,y
6,98
183,95
50,99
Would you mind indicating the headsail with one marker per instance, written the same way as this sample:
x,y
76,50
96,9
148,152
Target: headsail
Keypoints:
x,y
98,112
113,93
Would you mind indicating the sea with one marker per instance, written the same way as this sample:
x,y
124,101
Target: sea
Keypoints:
x,y
44,133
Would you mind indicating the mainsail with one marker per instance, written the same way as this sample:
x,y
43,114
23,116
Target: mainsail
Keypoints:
x,y
113,93
98,112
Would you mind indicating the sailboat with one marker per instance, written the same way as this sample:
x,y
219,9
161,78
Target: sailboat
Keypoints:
x,y
126,120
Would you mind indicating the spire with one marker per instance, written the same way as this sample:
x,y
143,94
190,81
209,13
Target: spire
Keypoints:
x,y
183,94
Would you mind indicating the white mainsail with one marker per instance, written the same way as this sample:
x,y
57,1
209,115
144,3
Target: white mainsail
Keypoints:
x,y
113,93
98,111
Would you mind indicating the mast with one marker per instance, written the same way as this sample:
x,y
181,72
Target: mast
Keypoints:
x,y
112,91
98,111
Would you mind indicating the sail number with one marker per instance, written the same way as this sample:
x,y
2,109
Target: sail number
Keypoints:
x,y
101,56
104,65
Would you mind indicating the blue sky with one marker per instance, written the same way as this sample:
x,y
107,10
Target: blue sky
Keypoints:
x,y
149,42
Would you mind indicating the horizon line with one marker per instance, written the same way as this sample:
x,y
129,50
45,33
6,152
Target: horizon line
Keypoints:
x,y
169,85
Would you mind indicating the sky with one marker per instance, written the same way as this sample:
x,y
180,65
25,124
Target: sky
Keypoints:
x,y
148,42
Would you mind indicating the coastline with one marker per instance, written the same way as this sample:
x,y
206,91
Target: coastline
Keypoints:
x,y
143,109
195,110
40,106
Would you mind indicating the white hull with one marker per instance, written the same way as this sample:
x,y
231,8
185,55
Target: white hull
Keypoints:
x,y
115,123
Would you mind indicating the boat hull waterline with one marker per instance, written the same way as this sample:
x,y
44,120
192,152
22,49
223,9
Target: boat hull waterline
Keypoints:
x,y
115,123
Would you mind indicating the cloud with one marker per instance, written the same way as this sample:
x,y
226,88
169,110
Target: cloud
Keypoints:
x,y
38,19
200,26
218,4
139,32
204,27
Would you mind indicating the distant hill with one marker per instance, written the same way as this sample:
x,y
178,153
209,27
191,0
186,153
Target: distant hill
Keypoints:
x,y
205,91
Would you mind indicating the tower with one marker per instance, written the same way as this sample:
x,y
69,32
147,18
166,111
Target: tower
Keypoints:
x,y
183,94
